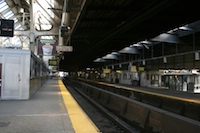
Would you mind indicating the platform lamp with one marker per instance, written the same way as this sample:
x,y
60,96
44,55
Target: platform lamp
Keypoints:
x,y
164,59
110,57
187,28
143,45
138,46
129,50
118,55
167,37
99,60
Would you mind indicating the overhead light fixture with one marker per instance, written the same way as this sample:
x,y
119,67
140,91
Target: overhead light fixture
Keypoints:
x,y
129,50
146,42
173,30
166,37
110,57
186,28
115,53
20,10
136,45
142,44
99,60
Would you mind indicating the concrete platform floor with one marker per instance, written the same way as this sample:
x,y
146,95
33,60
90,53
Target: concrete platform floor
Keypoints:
x,y
45,112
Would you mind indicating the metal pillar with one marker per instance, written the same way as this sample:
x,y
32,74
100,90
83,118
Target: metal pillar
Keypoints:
x,y
65,20
32,26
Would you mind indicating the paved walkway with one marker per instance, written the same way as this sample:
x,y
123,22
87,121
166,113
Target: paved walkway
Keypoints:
x,y
45,112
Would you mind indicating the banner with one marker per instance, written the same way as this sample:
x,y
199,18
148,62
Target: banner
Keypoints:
x,y
47,47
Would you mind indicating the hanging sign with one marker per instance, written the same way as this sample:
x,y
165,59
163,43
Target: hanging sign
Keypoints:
x,y
64,48
133,69
6,27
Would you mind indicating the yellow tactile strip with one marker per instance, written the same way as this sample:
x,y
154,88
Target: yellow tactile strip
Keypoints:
x,y
80,121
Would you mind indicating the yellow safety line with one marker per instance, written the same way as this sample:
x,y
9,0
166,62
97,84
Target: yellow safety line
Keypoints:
x,y
80,121
157,94
151,93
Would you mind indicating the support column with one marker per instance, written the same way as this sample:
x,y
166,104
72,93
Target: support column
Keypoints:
x,y
32,26
65,22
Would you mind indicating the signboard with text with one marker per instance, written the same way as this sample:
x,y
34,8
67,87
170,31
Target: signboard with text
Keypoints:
x,y
133,69
6,27
52,62
64,48
106,70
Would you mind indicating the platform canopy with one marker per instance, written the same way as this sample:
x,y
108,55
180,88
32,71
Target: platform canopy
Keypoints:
x,y
98,27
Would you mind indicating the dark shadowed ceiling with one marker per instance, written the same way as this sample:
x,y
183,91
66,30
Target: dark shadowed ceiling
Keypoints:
x,y
100,27
105,26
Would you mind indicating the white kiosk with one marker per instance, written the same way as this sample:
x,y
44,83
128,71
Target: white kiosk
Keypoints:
x,y
15,65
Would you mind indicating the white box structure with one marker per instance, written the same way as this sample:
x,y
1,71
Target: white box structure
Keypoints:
x,y
15,75
21,74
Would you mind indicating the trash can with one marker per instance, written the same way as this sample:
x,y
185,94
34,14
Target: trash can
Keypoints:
x,y
134,82
190,87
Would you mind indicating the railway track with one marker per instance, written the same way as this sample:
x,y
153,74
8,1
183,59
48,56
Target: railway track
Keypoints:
x,y
105,120
138,113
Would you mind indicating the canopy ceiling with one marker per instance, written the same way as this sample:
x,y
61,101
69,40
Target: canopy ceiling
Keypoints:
x,y
99,27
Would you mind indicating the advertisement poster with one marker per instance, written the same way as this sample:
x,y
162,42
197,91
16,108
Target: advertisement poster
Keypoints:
x,y
47,47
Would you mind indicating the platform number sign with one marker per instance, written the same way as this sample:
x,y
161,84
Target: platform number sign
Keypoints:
x,y
6,27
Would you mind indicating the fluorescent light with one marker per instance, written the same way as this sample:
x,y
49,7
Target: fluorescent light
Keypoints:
x,y
129,50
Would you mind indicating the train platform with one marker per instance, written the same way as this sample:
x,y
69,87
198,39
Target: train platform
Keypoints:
x,y
184,96
51,109
162,92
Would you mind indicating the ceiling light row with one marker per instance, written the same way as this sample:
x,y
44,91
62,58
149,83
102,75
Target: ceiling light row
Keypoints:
x,y
169,37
